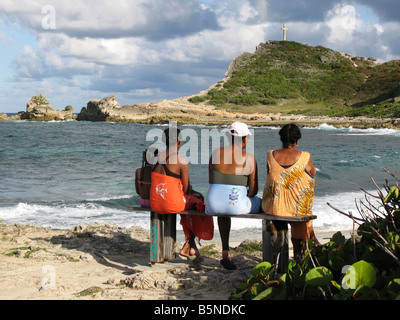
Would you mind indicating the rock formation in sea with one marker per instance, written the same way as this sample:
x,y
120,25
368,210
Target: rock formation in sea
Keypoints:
x,y
100,110
181,110
40,109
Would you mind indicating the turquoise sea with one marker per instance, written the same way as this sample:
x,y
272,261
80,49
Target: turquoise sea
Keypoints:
x,y
62,174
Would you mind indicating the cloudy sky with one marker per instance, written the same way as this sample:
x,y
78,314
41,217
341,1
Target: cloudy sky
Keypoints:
x,y
150,50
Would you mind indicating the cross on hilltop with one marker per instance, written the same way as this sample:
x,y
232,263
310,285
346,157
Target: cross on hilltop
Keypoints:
x,y
284,29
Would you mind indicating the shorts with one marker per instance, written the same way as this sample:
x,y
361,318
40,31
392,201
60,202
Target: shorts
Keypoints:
x,y
230,199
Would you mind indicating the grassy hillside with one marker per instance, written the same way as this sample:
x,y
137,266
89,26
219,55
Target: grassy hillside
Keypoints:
x,y
290,77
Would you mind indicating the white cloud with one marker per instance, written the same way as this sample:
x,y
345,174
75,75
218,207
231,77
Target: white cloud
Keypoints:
x,y
152,19
156,49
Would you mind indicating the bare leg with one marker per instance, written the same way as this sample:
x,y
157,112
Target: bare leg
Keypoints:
x,y
224,225
297,248
189,249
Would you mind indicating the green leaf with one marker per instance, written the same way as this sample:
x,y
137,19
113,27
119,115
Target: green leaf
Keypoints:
x,y
360,273
365,293
261,269
336,262
394,240
338,238
319,276
393,194
296,274
257,288
277,292
240,295
264,294
392,290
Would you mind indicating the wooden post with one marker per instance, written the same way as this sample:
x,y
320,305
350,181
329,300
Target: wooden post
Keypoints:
x,y
275,243
169,236
162,237
156,238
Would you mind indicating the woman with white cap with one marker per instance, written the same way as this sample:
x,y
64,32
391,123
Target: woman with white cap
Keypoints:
x,y
233,179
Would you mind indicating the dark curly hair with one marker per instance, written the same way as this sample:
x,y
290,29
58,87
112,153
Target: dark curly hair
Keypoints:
x,y
171,136
290,134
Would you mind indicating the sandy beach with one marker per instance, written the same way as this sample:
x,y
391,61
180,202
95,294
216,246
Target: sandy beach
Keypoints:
x,y
104,262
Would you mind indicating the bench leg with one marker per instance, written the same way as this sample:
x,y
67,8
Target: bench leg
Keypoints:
x,y
156,238
162,237
275,243
169,237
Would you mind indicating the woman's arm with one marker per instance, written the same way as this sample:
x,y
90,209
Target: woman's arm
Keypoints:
x,y
137,178
253,180
310,168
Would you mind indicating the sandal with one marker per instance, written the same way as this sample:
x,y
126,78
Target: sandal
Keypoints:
x,y
191,258
194,257
228,264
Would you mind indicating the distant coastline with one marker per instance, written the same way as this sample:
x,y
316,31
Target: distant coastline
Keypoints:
x,y
255,120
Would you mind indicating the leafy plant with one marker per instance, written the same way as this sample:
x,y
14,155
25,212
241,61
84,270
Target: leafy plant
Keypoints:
x,y
364,267
40,100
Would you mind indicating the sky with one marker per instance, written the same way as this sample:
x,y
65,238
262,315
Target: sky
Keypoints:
x,y
151,50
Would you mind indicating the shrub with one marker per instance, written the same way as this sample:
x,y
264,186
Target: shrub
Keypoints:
x,y
366,266
198,99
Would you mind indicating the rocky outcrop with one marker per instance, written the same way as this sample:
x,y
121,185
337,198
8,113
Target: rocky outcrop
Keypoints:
x,y
100,110
180,110
40,109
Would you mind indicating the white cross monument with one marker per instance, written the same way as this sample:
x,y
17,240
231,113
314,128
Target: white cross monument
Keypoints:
x,y
284,29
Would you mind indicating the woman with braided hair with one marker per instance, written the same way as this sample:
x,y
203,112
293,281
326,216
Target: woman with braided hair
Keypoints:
x,y
289,189
143,179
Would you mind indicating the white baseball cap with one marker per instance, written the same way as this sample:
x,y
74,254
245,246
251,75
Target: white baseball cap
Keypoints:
x,y
239,129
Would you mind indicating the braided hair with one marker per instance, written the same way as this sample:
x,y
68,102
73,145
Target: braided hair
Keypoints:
x,y
290,134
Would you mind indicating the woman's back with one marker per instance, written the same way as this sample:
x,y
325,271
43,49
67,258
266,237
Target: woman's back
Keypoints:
x,y
229,160
287,157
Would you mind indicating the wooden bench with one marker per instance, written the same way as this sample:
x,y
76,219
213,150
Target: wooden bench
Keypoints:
x,y
163,235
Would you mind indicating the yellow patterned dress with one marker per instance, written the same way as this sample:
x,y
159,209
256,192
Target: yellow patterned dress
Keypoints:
x,y
289,191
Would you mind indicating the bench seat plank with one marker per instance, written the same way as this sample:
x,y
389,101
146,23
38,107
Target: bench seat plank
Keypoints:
x,y
260,216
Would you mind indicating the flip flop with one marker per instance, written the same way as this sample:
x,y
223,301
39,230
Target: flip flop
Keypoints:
x,y
228,264
191,258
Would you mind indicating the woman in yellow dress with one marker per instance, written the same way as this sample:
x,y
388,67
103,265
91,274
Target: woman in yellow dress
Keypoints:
x,y
289,189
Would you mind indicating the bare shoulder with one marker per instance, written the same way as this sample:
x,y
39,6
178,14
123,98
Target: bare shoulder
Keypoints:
x,y
182,160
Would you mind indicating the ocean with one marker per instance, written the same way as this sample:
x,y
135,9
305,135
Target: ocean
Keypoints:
x,y
63,174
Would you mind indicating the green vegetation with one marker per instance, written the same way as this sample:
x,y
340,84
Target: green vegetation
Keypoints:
x,y
27,254
290,73
198,99
92,291
208,251
248,247
40,100
364,267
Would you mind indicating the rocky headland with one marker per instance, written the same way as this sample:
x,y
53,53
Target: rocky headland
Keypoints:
x,y
185,112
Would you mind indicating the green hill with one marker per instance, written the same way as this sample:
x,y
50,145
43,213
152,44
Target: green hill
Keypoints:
x,y
290,77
